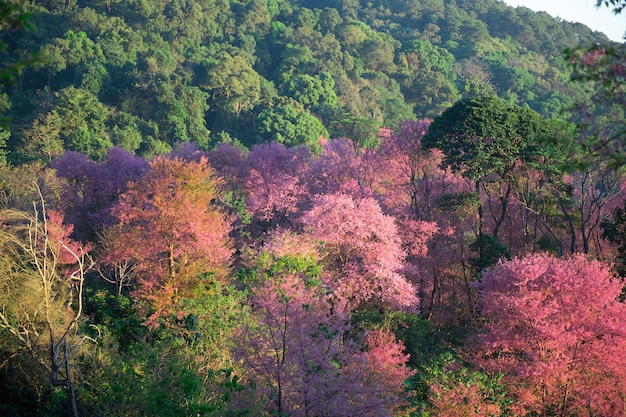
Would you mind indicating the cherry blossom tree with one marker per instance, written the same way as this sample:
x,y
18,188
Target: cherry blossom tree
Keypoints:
x,y
228,162
409,188
274,184
342,168
557,329
170,229
375,377
298,352
362,250
411,178
291,351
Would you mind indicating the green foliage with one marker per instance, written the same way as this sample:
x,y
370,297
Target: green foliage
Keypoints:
x,y
189,67
269,266
362,131
14,17
312,92
485,135
235,85
457,389
290,126
430,82
178,371
421,340
83,122
618,5
490,250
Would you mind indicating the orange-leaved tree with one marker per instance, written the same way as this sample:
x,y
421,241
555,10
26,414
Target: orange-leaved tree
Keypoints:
x,y
173,233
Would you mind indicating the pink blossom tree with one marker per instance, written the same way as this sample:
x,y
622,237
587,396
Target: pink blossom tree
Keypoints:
x,y
411,178
342,168
170,229
298,352
228,161
375,377
273,181
362,250
292,350
557,329
410,187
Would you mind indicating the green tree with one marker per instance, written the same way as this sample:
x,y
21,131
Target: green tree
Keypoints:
x,y
295,59
429,84
71,52
362,130
84,120
290,126
313,92
484,139
181,371
42,140
234,85
618,5
378,55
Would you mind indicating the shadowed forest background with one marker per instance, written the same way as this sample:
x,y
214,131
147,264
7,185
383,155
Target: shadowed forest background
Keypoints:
x,y
310,208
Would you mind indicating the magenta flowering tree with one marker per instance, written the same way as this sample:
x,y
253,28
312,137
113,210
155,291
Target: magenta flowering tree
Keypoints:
x,y
342,168
228,161
362,250
292,351
273,181
374,378
411,187
298,352
411,179
557,329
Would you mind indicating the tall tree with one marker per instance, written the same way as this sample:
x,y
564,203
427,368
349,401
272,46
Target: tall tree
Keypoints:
x,y
484,139
291,126
234,84
342,168
92,189
299,352
274,182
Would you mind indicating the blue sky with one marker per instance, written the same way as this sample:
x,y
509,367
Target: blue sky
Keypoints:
x,y
584,11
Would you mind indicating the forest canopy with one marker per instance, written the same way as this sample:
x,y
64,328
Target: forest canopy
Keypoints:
x,y
148,76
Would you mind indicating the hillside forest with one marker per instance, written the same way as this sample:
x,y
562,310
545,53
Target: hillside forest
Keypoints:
x,y
331,208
